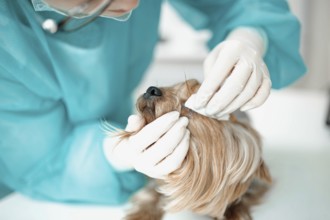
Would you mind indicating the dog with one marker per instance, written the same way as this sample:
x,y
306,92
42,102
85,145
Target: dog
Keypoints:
x,y
223,174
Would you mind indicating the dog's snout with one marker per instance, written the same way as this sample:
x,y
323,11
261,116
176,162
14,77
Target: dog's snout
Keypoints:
x,y
152,91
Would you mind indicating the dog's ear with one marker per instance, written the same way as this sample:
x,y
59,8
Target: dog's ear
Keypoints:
x,y
193,85
263,173
186,89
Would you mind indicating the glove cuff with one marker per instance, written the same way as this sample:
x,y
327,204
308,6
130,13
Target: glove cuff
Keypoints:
x,y
256,38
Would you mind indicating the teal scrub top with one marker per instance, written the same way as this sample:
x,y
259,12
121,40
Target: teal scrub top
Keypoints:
x,y
54,89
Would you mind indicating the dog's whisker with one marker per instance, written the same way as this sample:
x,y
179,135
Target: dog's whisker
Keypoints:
x,y
107,128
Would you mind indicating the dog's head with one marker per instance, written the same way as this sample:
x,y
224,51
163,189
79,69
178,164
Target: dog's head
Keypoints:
x,y
223,159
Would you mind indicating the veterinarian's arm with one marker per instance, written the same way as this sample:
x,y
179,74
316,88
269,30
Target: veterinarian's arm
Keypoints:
x,y
45,156
282,28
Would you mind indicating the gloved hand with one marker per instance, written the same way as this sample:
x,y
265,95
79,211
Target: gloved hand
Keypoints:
x,y
156,150
235,76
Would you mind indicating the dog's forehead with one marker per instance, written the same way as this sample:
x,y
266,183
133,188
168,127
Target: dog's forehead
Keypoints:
x,y
177,87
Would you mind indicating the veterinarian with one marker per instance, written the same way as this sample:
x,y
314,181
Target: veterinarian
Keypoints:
x,y
60,75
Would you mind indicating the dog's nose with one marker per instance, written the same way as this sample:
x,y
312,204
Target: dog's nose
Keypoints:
x,y
152,91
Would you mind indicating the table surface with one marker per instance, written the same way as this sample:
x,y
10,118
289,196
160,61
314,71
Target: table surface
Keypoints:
x,y
296,149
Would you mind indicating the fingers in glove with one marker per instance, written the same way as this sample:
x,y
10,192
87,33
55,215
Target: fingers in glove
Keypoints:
x,y
134,123
153,131
224,63
261,95
232,87
210,60
167,143
173,161
248,92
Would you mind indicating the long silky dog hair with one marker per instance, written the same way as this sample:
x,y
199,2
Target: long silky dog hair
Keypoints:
x,y
223,174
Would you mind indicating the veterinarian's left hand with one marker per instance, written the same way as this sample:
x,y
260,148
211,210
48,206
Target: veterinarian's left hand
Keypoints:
x,y
155,149
235,76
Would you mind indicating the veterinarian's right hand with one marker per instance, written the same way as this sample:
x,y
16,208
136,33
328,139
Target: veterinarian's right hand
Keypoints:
x,y
157,149
236,76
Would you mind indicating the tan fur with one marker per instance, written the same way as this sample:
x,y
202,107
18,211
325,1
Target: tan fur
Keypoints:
x,y
223,173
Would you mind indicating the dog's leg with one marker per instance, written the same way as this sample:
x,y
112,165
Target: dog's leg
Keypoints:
x,y
238,211
146,205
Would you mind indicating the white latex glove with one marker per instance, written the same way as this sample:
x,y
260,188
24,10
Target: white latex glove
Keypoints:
x,y
236,76
156,150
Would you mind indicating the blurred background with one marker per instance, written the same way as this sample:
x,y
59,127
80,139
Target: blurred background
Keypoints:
x,y
315,42
291,123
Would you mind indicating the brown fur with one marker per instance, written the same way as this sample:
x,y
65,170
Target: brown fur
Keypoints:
x,y
223,174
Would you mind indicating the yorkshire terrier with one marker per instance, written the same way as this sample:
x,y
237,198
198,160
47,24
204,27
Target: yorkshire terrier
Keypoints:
x,y
223,174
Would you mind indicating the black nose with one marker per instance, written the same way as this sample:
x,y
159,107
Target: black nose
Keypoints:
x,y
152,91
